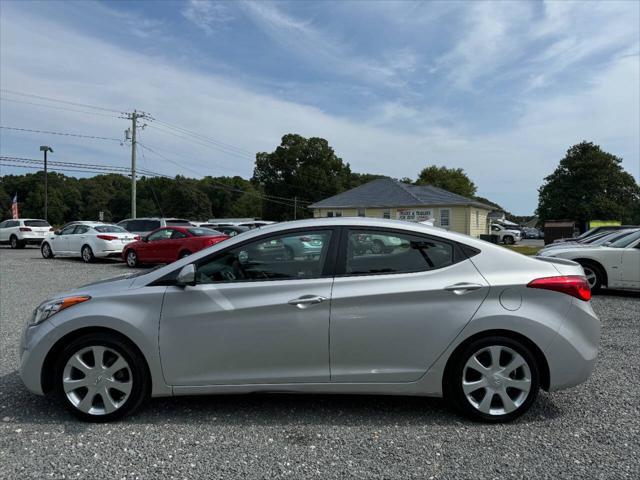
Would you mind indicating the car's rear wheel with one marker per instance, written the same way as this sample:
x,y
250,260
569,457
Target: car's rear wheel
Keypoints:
x,y
594,275
87,254
131,258
14,242
45,250
493,379
99,377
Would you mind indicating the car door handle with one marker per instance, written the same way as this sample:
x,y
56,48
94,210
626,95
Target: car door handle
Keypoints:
x,y
306,301
462,288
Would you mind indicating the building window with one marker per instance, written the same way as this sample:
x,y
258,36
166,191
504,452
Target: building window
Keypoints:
x,y
329,214
362,212
338,214
386,213
445,217
477,218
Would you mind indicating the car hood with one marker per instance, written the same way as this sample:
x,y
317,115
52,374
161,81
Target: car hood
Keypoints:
x,y
106,286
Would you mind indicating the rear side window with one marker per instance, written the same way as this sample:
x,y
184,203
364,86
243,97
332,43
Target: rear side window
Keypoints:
x,y
81,229
203,232
379,252
36,223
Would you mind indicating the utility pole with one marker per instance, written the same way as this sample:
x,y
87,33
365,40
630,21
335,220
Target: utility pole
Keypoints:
x,y
295,208
134,117
45,149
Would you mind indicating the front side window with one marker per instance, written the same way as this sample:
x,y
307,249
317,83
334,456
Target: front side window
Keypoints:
x,y
203,232
177,234
68,230
163,234
445,217
284,257
81,229
373,252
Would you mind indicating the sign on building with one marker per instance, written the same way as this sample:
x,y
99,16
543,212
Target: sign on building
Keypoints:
x,y
412,215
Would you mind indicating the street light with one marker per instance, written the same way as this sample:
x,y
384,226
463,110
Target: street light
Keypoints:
x,y
45,149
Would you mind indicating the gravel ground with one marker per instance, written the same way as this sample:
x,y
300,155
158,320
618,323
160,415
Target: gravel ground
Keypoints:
x,y
591,431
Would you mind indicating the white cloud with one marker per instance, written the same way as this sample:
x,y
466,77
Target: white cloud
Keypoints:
x,y
44,57
208,15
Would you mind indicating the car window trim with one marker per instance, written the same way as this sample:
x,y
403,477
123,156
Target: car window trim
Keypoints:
x,y
459,254
327,269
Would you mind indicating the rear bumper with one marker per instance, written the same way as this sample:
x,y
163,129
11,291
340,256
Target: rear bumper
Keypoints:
x,y
572,353
32,240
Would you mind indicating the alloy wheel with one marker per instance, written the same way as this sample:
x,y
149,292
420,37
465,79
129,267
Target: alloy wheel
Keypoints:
x,y
87,254
132,258
97,380
14,242
46,251
591,276
496,380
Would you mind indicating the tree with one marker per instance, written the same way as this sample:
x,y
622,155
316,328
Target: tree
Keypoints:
x,y
451,179
588,184
306,168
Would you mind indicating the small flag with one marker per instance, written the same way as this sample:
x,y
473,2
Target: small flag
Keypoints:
x,y
14,207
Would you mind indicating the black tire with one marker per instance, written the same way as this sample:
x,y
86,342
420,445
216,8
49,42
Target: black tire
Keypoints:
x,y
593,271
14,242
184,254
131,258
45,250
377,247
141,383
508,240
87,254
452,382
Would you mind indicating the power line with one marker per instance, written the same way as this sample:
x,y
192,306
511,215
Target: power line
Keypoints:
x,y
57,100
61,133
56,107
84,166
205,138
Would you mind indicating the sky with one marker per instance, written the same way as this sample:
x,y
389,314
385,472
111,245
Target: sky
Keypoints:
x,y
500,89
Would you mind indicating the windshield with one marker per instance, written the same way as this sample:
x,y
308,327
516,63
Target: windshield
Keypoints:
x,y
612,237
626,241
594,237
36,223
203,232
109,229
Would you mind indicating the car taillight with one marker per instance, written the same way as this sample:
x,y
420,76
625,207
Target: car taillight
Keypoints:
x,y
25,229
107,237
574,285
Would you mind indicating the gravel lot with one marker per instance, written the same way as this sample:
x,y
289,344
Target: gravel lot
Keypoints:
x,y
592,431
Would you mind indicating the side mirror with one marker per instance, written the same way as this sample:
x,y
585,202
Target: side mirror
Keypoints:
x,y
57,232
187,275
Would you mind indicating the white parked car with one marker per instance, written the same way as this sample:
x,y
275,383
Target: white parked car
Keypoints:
x,y
615,265
506,235
23,231
87,240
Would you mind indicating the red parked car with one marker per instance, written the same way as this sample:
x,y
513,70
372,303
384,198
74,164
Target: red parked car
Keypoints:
x,y
168,244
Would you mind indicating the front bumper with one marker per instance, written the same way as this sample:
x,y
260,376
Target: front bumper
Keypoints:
x,y
35,343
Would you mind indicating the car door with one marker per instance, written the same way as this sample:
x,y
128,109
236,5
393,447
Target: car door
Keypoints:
x,y
4,237
249,318
172,246
630,268
76,239
394,312
60,241
152,249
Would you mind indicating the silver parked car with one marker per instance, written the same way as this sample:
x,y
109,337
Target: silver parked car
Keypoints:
x,y
441,314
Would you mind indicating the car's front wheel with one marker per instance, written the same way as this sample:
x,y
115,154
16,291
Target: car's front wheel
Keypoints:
x,y
100,378
493,379
508,240
46,251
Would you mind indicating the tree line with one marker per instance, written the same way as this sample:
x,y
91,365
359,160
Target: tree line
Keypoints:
x,y
301,171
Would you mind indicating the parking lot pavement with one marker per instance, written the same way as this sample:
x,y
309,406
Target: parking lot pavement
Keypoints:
x,y
591,431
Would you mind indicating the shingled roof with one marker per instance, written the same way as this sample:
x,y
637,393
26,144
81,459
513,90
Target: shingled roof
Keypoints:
x,y
387,192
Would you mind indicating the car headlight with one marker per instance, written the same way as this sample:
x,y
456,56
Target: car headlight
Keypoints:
x,y
51,307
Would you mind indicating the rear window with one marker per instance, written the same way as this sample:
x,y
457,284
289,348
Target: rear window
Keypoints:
x,y
36,223
178,223
109,229
203,232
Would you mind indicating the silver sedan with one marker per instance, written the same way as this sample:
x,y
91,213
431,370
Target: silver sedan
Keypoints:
x,y
436,314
